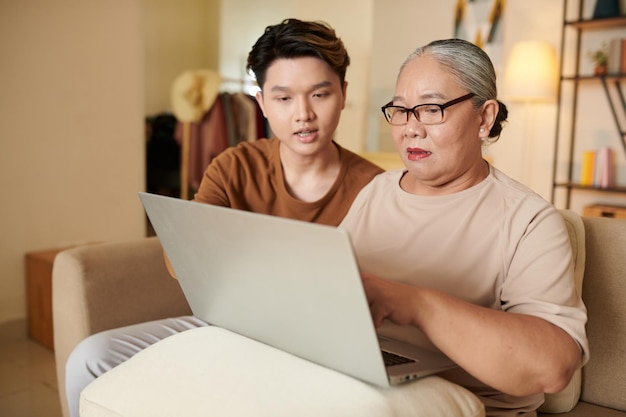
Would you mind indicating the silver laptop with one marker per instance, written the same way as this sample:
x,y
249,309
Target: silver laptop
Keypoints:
x,y
289,284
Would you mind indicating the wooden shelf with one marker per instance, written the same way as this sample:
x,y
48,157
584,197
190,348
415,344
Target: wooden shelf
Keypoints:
x,y
573,185
605,23
608,77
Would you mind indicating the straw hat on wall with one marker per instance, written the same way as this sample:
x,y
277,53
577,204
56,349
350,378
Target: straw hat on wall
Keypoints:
x,y
193,94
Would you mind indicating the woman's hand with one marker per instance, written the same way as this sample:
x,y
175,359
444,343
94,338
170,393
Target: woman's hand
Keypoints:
x,y
499,348
389,300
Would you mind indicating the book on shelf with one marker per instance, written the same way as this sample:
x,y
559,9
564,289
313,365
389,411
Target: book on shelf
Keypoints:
x,y
598,168
616,60
588,168
605,168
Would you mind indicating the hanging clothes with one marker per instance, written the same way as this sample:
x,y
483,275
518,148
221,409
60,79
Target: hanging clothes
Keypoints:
x,y
233,118
245,117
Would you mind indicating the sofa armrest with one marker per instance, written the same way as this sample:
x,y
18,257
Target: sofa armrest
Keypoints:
x,y
566,399
108,285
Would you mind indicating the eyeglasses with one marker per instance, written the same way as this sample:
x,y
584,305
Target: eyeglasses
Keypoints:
x,y
428,114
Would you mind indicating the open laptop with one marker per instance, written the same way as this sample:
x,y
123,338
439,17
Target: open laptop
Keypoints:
x,y
289,284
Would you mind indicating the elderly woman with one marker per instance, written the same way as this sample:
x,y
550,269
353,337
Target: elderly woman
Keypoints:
x,y
455,253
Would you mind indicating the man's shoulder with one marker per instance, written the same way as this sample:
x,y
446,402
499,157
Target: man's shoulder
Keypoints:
x,y
354,160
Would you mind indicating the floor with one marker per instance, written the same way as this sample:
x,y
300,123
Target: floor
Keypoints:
x,y
28,385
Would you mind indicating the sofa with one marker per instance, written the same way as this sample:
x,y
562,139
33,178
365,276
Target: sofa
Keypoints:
x,y
103,286
107,285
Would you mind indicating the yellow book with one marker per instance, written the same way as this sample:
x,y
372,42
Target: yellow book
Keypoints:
x,y
588,168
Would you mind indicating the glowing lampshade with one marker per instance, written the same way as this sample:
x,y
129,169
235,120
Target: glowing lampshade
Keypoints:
x,y
531,72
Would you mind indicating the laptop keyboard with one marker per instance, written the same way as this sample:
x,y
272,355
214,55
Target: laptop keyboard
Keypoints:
x,y
391,359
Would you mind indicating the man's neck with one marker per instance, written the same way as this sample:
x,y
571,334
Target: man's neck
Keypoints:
x,y
310,177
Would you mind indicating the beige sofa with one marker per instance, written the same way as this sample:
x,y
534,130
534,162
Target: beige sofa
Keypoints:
x,y
105,286
109,285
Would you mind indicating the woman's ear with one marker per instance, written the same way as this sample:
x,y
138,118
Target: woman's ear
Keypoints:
x,y
488,114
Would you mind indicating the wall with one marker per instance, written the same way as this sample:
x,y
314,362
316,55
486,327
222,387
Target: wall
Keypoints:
x,y
72,158
525,149
397,31
179,35
73,100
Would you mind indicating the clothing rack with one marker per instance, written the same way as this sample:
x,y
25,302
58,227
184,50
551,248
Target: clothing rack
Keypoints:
x,y
185,146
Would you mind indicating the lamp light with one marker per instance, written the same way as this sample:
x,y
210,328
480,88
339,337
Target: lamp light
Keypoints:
x,y
530,78
531,72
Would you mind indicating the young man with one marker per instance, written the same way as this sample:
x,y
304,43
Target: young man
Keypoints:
x,y
301,173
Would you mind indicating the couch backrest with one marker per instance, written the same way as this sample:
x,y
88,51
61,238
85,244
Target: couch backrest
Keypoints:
x,y
604,294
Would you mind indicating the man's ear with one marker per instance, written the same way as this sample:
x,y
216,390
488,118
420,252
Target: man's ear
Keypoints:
x,y
344,90
259,99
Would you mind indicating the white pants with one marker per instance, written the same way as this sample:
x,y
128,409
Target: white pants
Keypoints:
x,y
103,351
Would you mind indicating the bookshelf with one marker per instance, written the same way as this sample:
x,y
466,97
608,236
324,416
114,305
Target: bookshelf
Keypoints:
x,y
565,176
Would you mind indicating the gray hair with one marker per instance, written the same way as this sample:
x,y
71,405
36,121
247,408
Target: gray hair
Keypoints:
x,y
472,69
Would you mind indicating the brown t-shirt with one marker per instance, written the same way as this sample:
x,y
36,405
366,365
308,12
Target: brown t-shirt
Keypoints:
x,y
250,177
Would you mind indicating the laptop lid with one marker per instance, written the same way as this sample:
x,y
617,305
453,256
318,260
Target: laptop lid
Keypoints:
x,y
290,284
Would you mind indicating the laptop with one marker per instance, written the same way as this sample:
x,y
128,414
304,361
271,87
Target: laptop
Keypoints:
x,y
290,284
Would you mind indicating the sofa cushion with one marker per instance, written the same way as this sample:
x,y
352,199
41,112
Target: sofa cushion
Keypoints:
x,y
214,370
604,292
584,409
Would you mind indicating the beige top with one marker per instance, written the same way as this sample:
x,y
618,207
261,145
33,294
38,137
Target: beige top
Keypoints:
x,y
497,244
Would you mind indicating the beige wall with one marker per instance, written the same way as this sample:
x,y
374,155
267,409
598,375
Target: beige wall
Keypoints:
x,y
71,130
179,35
73,100
394,36
525,148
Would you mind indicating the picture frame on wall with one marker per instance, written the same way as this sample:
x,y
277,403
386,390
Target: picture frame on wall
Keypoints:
x,y
480,22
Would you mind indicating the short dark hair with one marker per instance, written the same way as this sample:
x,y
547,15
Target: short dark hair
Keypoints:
x,y
293,38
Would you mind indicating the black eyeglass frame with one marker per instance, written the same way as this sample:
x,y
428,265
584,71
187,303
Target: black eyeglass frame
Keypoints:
x,y
414,108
